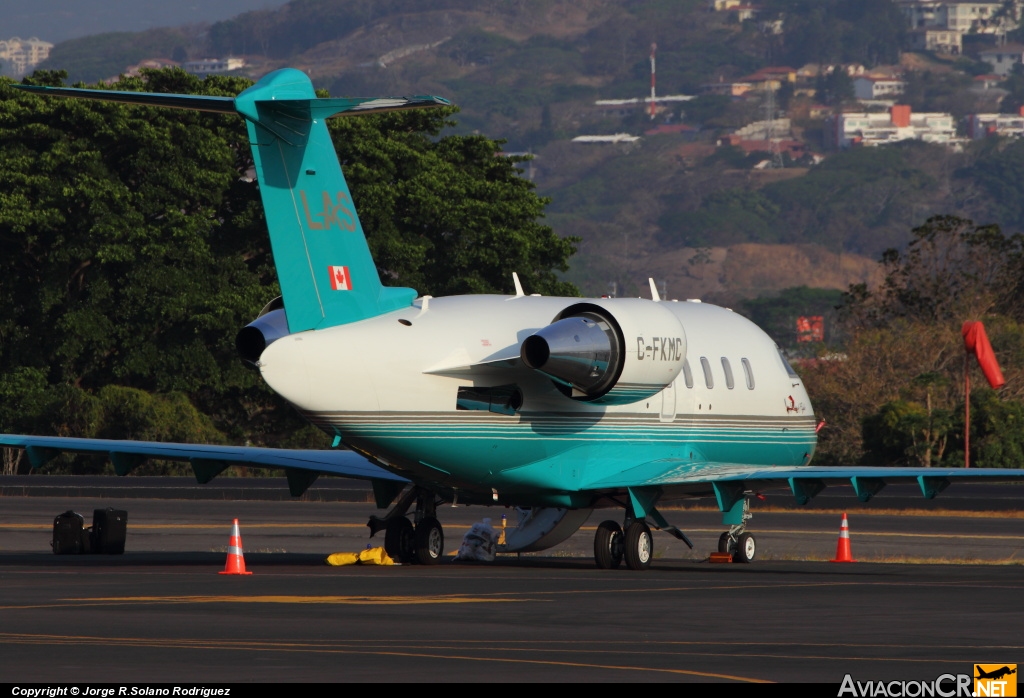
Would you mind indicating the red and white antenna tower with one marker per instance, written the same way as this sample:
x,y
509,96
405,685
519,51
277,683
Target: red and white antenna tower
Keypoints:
x,y
654,49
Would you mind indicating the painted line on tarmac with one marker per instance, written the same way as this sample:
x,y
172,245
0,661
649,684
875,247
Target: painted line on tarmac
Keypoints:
x,y
357,600
496,597
366,600
360,648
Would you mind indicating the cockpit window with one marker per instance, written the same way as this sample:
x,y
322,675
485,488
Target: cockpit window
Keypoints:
x,y
785,364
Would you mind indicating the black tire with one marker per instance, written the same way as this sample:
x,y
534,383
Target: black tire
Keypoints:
x,y
429,541
399,540
608,545
723,543
639,546
746,549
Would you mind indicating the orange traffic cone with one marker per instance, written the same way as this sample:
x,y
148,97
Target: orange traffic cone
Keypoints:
x,y
236,561
843,553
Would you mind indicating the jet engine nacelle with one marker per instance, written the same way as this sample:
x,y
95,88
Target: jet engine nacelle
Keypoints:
x,y
611,351
269,326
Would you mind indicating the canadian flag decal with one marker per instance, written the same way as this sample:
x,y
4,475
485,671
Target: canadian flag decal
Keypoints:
x,y
340,280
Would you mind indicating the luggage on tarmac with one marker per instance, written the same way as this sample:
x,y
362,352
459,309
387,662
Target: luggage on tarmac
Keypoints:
x,y
68,533
109,530
106,535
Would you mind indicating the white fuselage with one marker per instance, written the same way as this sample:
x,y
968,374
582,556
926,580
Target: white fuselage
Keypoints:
x,y
390,387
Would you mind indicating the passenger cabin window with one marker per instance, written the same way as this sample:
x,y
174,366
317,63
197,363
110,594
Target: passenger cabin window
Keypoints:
x,y
687,373
728,374
708,380
748,372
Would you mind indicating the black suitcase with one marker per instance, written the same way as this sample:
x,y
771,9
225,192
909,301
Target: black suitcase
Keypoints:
x,y
68,532
109,530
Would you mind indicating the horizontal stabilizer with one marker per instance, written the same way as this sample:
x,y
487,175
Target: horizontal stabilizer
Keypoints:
x,y
321,108
223,105
326,107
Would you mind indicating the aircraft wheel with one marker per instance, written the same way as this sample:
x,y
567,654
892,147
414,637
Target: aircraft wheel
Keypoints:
x,y
429,541
723,543
746,549
608,545
639,548
399,540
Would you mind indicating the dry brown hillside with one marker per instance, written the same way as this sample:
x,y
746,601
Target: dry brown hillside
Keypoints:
x,y
726,274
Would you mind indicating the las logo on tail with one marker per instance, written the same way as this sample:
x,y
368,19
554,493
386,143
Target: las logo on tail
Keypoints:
x,y
558,406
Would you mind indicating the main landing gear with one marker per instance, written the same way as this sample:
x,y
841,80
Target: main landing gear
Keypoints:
x,y
612,545
408,543
634,544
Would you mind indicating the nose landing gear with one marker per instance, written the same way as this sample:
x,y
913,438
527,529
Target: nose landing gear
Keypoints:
x,y
737,541
405,543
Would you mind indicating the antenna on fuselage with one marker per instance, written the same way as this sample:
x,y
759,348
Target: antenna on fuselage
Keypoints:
x,y
519,286
655,296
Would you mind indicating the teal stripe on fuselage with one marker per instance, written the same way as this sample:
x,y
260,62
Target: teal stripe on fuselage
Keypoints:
x,y
484,447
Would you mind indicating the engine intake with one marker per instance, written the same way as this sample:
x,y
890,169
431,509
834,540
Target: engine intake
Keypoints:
x,y
267,328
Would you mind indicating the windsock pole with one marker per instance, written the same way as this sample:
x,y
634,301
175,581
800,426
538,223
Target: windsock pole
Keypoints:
x,y
967,410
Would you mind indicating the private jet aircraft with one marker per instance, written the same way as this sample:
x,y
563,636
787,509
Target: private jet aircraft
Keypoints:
x,y
555,406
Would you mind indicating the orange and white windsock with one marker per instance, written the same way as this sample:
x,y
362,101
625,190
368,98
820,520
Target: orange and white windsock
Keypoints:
x,y
236,560
976,342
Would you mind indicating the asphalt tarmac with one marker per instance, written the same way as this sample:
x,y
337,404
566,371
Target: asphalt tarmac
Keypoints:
x,y
162,613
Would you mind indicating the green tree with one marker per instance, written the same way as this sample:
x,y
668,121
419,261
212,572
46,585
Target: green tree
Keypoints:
x,y
909,431
135,248
905,352
997,431
952,270
834,88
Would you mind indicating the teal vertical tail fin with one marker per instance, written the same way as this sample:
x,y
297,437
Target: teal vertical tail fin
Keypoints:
x,y
323,263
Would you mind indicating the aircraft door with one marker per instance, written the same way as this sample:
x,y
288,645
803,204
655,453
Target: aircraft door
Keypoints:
x,y
668,402
684,393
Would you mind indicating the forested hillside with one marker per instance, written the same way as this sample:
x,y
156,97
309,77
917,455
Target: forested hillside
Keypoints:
x,y
529,71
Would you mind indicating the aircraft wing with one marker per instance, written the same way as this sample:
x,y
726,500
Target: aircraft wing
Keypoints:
x,y
679,477
301,466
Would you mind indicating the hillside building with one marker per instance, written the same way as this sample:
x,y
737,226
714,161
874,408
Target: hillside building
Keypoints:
x,y
1003,58
937,41
898,124
19,56
209,66
1005,125
874,87
625,107
979,17
740,9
